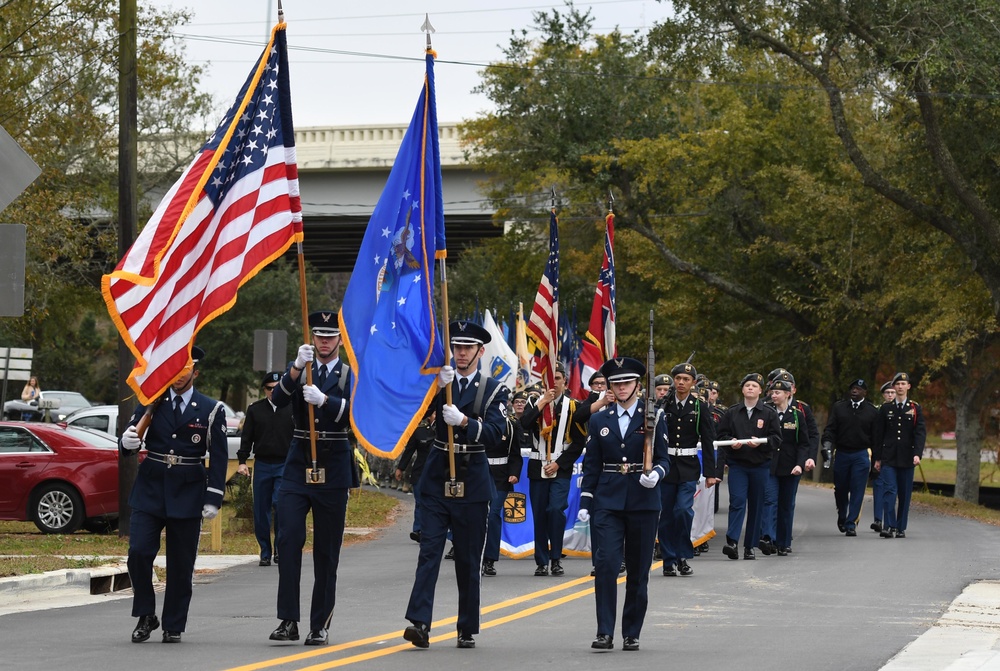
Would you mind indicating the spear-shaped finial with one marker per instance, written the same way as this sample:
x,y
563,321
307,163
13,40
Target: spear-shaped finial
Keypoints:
x,y
281,13
428,29
552,190
611,201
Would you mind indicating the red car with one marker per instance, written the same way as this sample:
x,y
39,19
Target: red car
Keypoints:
x,y
61,478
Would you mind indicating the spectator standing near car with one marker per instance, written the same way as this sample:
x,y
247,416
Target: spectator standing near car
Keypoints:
x,y
31,390
173,491
267,433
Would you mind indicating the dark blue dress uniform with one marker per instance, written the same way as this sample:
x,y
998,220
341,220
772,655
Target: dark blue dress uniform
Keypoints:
x,y
623,512
900,434
171,487
782,486
466,516
687,425
328,501
505,461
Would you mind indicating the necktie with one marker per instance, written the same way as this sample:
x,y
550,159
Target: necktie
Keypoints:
x,y
856,405
321,376
680,406
177,409
462,384
781,416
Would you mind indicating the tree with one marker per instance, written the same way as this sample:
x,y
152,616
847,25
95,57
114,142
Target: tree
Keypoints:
x,y
60,58
742,185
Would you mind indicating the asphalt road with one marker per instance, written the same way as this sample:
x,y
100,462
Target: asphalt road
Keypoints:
x,y
835,603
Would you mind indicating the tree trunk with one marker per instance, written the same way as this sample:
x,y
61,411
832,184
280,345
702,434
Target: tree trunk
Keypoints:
x,y
969,401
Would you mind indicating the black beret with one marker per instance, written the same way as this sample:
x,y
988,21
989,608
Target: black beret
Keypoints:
x,y
886,386
858,383
663,379
753,377
273,376
597,374
684,369
900,377
781,385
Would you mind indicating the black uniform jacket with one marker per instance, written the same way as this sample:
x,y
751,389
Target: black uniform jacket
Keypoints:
x,y
686,428
900,434
794,447
736,424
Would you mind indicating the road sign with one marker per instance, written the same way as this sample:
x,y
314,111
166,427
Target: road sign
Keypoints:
x,y
12,247
269,350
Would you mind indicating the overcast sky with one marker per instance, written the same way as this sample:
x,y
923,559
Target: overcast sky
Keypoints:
x,y
375,83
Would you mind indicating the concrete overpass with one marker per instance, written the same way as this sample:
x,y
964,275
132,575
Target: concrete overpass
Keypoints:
x,y
342,170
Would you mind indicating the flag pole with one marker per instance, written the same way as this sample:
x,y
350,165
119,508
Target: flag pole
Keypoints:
x,y
452,488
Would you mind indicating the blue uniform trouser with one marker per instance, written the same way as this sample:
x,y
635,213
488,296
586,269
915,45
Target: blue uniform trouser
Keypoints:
x,y
467,521
788,487
850,477
898,485
878,496
417,505
676,517
494,527
549,499
634,533
769,511
182,549
329,508
266,487
746,498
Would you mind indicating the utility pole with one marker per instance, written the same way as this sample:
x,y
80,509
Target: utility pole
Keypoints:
x,y
128,85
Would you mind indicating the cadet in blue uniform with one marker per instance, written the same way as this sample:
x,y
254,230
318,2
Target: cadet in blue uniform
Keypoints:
x,y
329,395
688,423
550,467
850,430
787,466
505,466
623,501
478,417
749,464
900,434
878,488
173,490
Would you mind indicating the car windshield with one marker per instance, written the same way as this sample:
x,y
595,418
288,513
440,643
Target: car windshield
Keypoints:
x,y
93,438
68,399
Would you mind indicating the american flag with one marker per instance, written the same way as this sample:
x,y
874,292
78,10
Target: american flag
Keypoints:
x,y
599,343
235,209
543,325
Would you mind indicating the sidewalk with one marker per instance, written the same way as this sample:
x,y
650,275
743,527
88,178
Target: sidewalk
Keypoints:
x,y
966,638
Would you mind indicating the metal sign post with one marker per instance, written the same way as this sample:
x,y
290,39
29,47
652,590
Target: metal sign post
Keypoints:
x,y
15,364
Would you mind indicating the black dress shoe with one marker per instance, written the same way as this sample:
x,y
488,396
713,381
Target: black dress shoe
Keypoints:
x,y
419,634
748,553
852,532
684,569
657,555
274,559
603,642
630,643
288,630
766,546
415,536
731,551
593,572
887,533
876,526
782,552
621,569
146,625
841,526
900,534
669,570
317,637
488,567
465,641
264,562
451,553
171,636
541,570
557,569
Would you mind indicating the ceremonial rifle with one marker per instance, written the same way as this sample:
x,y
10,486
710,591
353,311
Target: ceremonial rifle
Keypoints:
x,y
647,451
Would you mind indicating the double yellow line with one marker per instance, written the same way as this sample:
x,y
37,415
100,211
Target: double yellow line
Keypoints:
x,y
375,654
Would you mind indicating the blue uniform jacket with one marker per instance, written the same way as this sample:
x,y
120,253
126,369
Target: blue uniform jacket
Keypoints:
x,y
181,491
606,446
487,430
332,421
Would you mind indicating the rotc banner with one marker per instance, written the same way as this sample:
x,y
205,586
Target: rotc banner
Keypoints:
x,y
517,537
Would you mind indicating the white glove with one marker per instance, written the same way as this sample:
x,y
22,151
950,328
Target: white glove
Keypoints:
x,y
131,440
313,395
305,356
649,480
583,515
446,376
452,415
209,511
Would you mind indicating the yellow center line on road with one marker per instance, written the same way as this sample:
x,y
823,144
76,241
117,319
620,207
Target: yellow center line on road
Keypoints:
x,y
329,650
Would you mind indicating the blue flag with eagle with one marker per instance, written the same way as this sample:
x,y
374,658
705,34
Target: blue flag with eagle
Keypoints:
x,y
387,319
